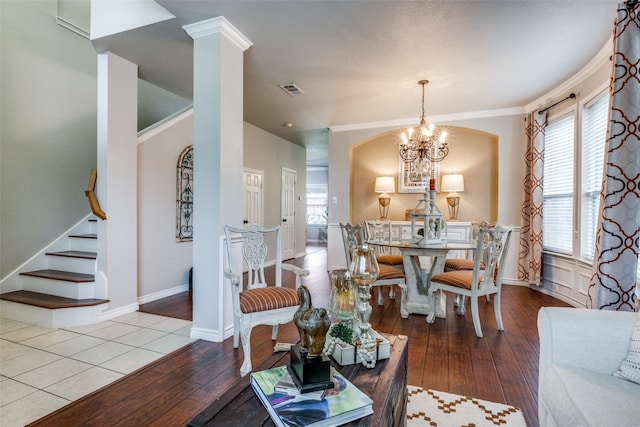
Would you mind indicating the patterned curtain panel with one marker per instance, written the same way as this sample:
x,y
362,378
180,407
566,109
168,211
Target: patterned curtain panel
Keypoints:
x,y
613,280
530,254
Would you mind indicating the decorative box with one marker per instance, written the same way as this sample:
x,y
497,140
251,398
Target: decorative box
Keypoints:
x,y
348,355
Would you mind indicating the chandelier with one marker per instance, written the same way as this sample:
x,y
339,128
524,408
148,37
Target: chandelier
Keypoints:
x,y
425,145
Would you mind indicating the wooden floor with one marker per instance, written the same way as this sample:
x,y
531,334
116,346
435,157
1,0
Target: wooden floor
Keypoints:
x,y
445,356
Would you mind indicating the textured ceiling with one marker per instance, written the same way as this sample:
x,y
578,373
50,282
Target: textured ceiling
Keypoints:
x,y
360,61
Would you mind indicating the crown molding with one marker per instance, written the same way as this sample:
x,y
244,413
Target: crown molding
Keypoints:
x,y
72,27
217,25
433,118
164,124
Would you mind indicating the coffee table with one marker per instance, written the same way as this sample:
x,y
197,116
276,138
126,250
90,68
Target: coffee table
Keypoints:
x,y
386,384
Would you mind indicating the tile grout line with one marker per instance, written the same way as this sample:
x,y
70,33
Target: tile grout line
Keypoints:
x,y
129,321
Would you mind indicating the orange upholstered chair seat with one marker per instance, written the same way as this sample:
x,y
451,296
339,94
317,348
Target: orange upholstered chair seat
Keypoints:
x,y
269,298
459,279
390,259
460,264
387,272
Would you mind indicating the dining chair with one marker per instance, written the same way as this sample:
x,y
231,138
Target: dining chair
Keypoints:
x,y
379,231
455,264
255,302
352,236
483,280
460,264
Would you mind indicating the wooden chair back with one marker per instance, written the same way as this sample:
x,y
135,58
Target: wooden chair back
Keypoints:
x,y
253,253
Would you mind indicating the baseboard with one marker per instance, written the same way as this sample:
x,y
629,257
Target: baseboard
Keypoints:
x,y
111,314
163,294
206,334
559,296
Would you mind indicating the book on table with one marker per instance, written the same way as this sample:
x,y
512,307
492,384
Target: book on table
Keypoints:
x,y
286,385
290,408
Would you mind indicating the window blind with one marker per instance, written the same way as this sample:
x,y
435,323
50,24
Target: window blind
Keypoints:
x,y
594,135
557,220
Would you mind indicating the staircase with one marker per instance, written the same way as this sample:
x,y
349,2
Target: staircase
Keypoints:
x,y
57,287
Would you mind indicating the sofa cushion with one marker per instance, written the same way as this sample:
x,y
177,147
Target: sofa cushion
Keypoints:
x,y
577,397
630,366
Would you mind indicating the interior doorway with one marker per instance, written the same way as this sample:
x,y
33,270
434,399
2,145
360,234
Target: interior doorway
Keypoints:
x,y
253,197
288,212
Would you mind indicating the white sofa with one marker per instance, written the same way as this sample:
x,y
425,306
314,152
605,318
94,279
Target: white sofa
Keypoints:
x,y
580,349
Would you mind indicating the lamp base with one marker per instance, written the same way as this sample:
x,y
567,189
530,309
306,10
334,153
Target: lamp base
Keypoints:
x,y
384,203
454,202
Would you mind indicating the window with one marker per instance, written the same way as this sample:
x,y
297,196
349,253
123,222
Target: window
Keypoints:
x,y
594,135
559,205
184,196
557,222
317,204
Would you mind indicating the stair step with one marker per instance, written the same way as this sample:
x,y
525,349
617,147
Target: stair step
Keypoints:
x,y
84,236
49,301
74,254
67,276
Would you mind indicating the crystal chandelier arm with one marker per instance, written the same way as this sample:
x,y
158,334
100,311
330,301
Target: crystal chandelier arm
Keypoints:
x,y
423,144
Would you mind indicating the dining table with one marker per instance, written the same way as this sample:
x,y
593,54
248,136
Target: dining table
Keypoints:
x,y
418,274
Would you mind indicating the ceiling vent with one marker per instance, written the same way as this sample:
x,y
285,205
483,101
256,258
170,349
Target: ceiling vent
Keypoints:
x,y
292,89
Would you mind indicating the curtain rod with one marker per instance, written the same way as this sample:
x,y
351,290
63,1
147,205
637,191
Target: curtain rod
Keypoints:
x,y
571,96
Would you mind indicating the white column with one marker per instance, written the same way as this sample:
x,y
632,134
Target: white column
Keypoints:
x,y
217,147
116,187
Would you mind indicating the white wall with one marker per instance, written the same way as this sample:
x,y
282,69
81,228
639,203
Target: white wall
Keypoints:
x,y
47,128
163,263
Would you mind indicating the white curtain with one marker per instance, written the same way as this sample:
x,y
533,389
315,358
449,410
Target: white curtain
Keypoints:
x,y
613,279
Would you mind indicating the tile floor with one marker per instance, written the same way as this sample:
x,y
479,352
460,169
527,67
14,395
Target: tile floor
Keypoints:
x,y
44,369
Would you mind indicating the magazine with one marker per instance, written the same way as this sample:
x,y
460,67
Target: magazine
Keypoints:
x,y
339,405
287,386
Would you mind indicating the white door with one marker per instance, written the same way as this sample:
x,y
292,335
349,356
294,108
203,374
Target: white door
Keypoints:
x,y
252,197
288,221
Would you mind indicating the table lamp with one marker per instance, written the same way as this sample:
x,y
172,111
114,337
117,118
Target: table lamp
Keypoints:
x,y
384,185
453,183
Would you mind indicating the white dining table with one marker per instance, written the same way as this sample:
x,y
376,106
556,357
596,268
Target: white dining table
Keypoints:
x,y
418,276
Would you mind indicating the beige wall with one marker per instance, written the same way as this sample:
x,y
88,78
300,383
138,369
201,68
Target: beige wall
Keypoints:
x,y
266,152
472,153
163,263
507,132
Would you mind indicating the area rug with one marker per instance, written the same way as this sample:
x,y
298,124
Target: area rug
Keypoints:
x,y
439,409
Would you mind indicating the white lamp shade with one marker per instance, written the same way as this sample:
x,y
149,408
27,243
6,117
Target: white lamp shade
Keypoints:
x,y
385,184
452,183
